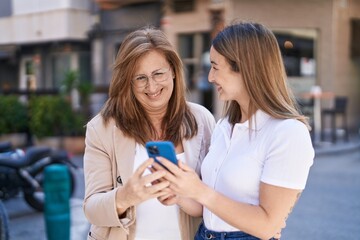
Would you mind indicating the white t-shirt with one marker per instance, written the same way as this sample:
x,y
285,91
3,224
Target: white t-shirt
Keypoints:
x,y
155,221
278,152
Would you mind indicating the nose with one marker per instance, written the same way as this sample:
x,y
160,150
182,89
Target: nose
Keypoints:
x,y
151,83
211,76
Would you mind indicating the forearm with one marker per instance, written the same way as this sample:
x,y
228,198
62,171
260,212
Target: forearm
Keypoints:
x,y
121,202
190,206
99,209
248,218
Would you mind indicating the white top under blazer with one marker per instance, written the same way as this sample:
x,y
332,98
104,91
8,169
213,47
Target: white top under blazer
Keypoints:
x,y
155,221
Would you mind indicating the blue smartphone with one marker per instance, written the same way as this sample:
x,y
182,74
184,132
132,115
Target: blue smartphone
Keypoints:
x,y
165,149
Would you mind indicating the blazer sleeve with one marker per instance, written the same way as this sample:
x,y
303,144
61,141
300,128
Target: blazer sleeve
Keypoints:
x,y
100,193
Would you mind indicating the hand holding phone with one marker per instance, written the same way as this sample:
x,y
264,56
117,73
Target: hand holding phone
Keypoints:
x,y
165,149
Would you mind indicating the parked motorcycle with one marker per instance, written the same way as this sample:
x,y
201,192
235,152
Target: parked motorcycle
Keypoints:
x,y
4,223
23,172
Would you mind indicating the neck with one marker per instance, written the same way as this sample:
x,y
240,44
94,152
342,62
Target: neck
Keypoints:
x,y
244,111
244,115
156,120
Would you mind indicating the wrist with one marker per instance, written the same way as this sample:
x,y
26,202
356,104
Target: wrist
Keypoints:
x,y
203,194
180,201
121,203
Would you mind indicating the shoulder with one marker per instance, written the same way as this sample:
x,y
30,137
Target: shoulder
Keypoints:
x,y
96,120
106,135
289,132
97,123
288,126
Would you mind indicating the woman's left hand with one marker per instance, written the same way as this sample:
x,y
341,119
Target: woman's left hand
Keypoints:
x,y
185,186
168,199
183,180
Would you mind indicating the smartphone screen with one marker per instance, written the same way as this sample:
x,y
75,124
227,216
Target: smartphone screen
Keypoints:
x,y
165,149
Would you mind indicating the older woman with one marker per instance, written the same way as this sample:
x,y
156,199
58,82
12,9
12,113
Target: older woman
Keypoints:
x,y
146,103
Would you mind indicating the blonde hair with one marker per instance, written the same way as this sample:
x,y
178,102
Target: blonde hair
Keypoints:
x,y
252,49
130,116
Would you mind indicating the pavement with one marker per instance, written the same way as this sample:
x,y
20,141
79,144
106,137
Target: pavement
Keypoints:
x,y
329,208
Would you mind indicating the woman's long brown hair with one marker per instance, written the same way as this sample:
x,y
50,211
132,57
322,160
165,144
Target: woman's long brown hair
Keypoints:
x,y
129,115
252,49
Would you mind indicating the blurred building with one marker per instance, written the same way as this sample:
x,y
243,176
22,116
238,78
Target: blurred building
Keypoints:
x,y
320,41
41,40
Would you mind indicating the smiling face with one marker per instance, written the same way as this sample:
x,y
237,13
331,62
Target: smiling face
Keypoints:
x,y
229,84
155,95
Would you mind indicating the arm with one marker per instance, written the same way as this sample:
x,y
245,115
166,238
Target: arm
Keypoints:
x,y
99,202
104,203
188,205
263,221
140,188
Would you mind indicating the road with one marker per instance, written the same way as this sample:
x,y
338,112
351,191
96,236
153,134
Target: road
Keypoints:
x,y
329,208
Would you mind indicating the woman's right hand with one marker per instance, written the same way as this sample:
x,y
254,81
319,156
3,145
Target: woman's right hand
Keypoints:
x,y
140,188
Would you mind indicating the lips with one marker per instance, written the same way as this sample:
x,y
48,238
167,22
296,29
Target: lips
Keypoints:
x,y
218,88
154,95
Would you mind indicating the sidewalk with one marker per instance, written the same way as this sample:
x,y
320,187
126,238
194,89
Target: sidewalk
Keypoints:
x,y
327,148
25,223
329,205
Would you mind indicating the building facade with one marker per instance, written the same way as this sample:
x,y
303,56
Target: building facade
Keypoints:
x,y
42,40
324,36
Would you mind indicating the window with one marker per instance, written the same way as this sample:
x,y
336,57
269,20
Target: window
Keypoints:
x,y
298,54
355,38
194,51
179,6
192,47
60,65
63,62
298,49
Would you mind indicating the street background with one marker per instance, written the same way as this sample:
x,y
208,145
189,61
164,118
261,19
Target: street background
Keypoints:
x,y
329,208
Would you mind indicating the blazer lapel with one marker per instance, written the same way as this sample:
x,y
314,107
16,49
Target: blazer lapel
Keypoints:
x,y
124,148
192,149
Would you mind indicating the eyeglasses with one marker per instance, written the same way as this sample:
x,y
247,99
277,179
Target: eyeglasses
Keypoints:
x,y
141,81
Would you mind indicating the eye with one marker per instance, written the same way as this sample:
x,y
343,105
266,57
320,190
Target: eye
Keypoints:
x,y
158,75
140,78
214,68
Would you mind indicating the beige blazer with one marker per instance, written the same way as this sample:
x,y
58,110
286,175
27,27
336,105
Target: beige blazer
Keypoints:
x,y
108,164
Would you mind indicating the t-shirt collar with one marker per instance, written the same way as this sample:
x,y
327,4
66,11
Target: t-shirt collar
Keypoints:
x,y
258,121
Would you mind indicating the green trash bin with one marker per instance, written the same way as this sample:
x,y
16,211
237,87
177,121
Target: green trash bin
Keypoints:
x,y
57,202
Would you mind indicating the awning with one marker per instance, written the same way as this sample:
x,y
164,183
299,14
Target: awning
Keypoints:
x,y
113,4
